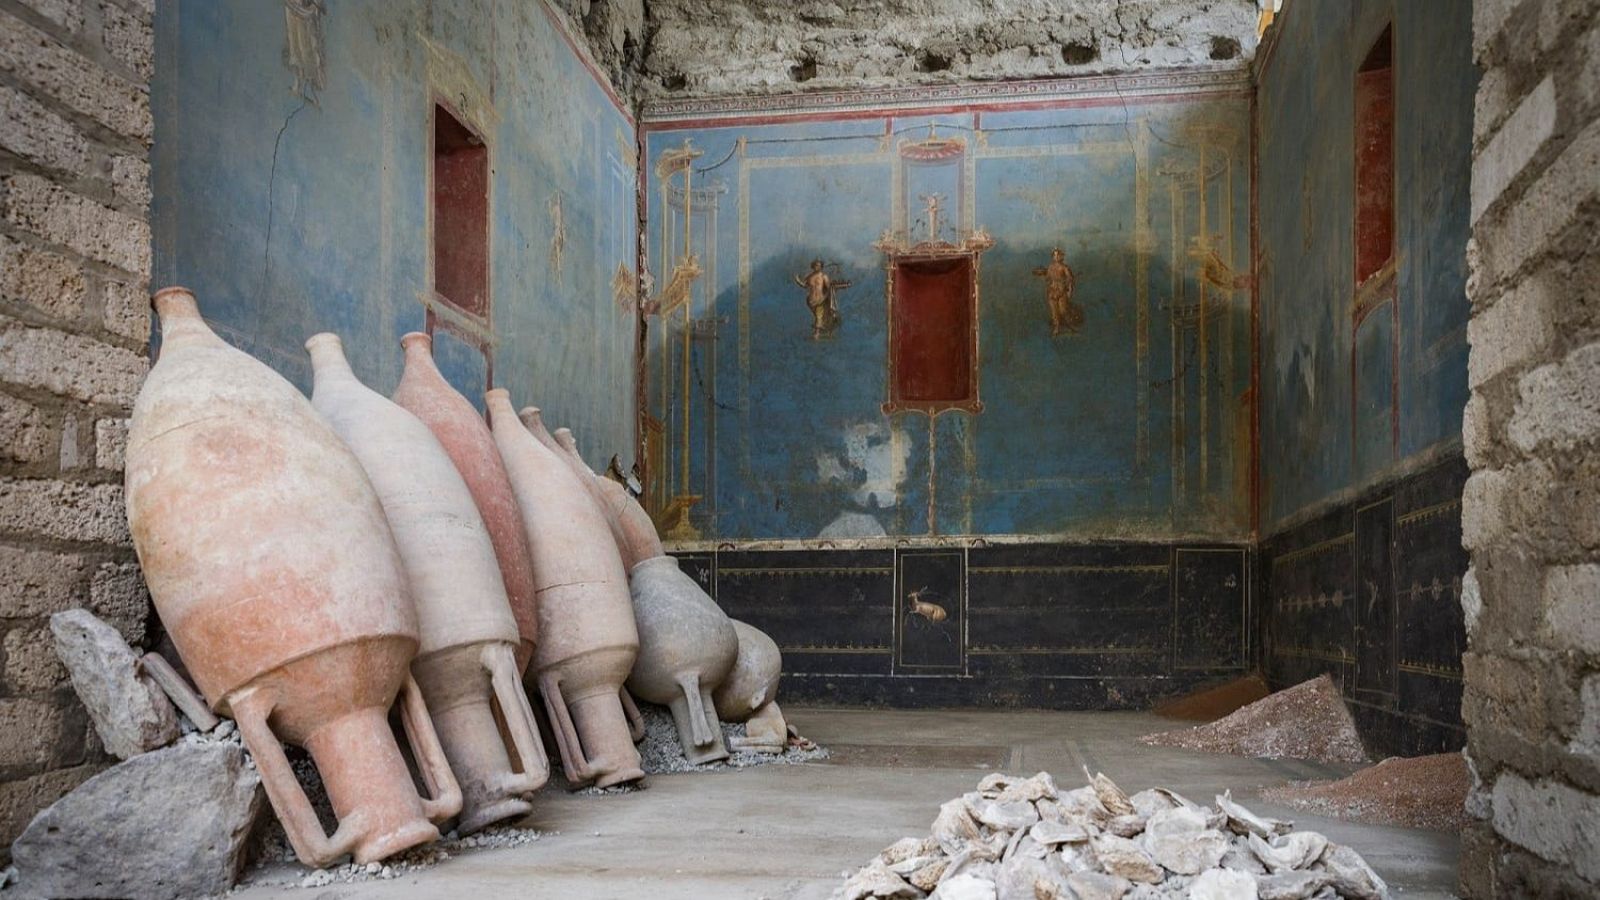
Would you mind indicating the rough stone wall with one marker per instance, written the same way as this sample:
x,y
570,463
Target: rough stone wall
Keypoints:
x,y
743,46
75,132
616,33
1531,510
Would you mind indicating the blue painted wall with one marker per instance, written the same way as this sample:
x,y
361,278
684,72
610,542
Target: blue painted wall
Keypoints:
x,y
1360,561
1327,418
291,208
1137,426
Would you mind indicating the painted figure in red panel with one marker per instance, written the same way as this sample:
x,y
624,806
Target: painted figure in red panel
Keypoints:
x,y
1066,317
822,298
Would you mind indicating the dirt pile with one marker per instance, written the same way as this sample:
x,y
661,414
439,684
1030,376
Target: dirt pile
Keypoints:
x,y
1308,721
1419,792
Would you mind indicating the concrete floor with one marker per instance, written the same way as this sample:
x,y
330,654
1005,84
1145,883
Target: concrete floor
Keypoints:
x,y
790,831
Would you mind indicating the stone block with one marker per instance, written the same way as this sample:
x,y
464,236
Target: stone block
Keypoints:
x,y
31,663
1477,432
58,215
1518,327
1552,820
1586,80
64,510
70,365
127,310
1524,228
110,443
117,594
1508,694
21,799
130,180
44,63
25,433
1491,103
1483,508
179,819
1488,18
46,281
1586,741
1548,506
35,733
1559,404
35,133
1471,600
128,37
71,456
130,712
1557,19
1571,602
66,13
1524,133
39,582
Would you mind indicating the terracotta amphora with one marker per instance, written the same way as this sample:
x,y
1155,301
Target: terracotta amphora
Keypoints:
x,y
687,644
636,535
272,566
465,437
467,660
587,638
749,692
534,422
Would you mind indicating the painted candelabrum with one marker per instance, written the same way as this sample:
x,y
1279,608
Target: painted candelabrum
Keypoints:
x,y
271,563
587,638
467,660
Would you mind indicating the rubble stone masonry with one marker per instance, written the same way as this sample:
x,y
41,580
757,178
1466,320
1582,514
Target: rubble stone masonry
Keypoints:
x,y
75,133
1531,510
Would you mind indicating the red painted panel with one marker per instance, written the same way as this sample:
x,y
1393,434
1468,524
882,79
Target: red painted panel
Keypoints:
x,y
931,337
460,215
1374,170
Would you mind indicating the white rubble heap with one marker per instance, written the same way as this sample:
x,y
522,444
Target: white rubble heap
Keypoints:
x,y
1023,839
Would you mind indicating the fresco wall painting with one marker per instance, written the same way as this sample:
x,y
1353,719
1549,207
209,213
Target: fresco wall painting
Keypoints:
x,y
943,371
1365,118
374,169
952,398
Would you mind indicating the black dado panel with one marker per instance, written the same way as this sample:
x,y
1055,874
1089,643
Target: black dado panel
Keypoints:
x,y
1070,626
1370,591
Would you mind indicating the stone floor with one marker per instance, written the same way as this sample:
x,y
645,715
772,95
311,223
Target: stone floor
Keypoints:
x,y
790,831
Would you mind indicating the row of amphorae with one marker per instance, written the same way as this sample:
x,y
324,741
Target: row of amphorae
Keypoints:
x,y
316,562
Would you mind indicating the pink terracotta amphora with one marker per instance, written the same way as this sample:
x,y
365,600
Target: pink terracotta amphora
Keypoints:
x,y
467,660
272,566
465,436
587,639
687,644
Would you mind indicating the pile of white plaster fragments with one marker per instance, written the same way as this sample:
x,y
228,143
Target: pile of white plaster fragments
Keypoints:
x,y
1022,839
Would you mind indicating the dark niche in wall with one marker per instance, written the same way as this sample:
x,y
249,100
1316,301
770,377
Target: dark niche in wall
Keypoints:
x,y
460,215
931,338
1374,102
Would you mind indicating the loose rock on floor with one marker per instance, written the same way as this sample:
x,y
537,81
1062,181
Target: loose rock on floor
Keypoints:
x,y
1025,839
168,824
130,711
